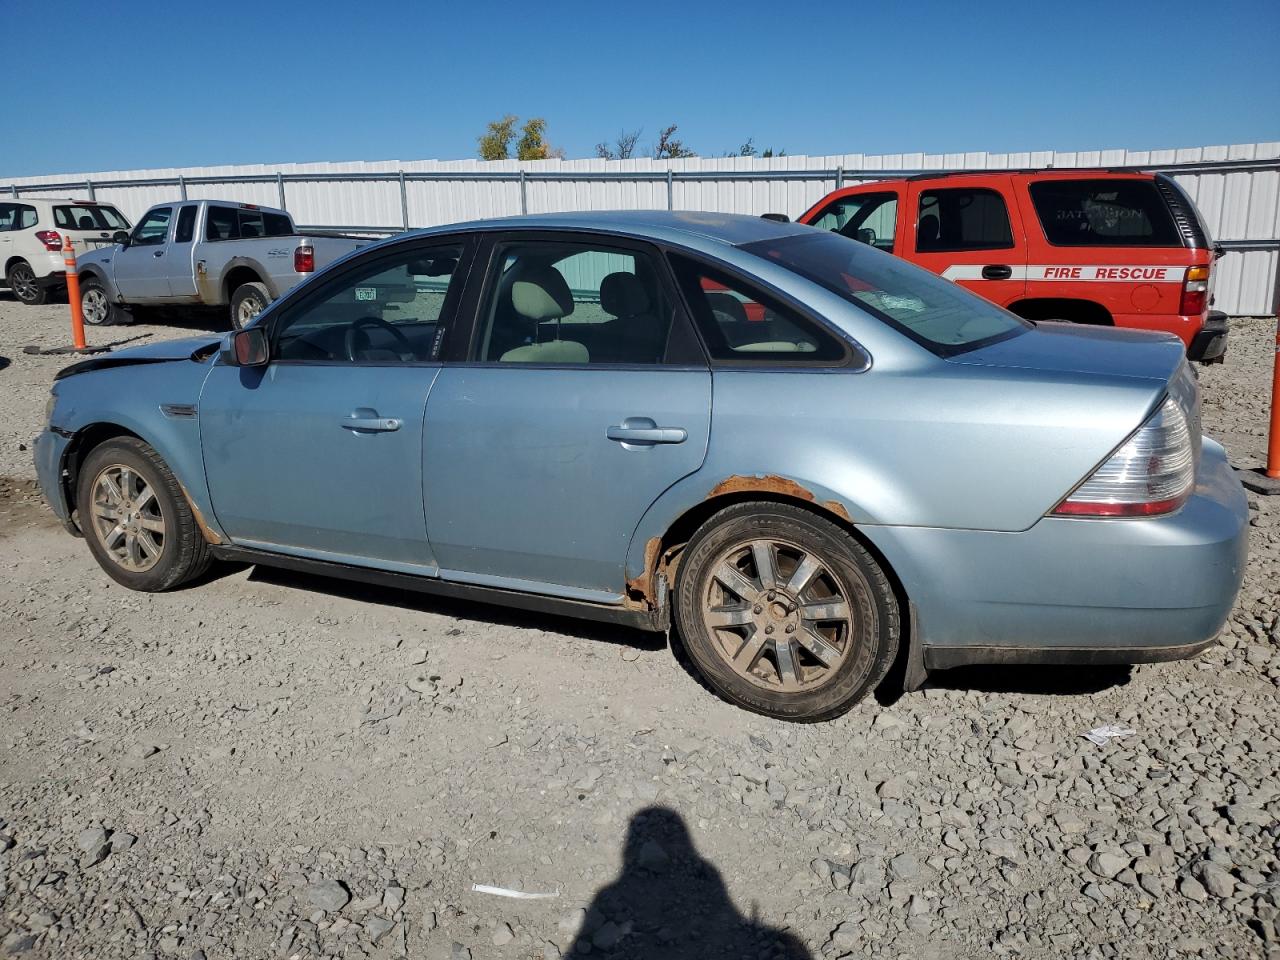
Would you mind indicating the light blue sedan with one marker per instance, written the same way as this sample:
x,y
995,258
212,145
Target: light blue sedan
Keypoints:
x,y
814,460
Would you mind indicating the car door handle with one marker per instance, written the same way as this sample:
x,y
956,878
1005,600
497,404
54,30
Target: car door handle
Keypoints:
x,y
997,271
371,424
642,430
158,253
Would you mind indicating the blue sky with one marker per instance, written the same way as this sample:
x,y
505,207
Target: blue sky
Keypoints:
x,y
176,84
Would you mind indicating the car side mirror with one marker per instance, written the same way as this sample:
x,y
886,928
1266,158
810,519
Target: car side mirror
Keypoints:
x,y
246,348
120,237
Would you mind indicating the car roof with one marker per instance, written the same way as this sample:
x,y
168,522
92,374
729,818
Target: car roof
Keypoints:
x,y
676,226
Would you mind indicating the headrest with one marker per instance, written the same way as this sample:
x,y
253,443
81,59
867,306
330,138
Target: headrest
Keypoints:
x,y
541,293
728,307
552,351
623,295
927,232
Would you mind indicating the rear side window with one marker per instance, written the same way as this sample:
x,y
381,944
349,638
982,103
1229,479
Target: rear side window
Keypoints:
x,y
8,217
1104,213
186,227
89,217
962,218
277,225
220,224
741,324
27,217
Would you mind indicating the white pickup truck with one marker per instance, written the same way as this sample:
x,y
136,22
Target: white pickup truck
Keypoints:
x,y
211,253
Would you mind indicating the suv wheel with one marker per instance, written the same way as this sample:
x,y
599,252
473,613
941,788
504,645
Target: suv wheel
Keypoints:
x,y
249,300
784,612
136,518
22,281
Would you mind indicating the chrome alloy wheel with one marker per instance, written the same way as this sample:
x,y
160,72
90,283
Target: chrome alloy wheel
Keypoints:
x,y
249,308
127,519
94,306
779,615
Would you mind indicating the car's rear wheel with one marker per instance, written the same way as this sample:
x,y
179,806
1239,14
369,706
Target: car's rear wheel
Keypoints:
x,y
784,612
249,300
22,281
136,519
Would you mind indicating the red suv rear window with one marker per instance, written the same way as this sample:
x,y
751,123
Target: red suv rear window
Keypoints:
x,y
1104,213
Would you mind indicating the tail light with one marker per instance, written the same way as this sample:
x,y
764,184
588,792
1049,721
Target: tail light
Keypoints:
x,y
304,259
51,239
1151,473
1195,291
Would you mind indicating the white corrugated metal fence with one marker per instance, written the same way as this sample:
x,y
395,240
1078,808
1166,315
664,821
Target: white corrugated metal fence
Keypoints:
x,y
1237,189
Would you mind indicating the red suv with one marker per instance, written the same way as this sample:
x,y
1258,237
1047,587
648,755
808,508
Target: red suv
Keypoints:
x,y
1085,246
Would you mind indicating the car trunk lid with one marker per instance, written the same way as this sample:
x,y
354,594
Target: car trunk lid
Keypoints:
x,y
1074,348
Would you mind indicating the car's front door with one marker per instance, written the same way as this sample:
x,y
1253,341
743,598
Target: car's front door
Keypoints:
x,y
319,453
141,269
581,396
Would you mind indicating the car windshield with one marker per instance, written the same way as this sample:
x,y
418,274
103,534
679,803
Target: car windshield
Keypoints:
x,y
89,217
934,312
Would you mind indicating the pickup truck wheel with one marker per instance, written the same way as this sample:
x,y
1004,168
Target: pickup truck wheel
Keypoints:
x,y
96,306
249,300
22,281
784,612
136,519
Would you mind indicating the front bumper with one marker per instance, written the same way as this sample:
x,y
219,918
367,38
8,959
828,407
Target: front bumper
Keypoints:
x,y
1079,590
1210,344
50,451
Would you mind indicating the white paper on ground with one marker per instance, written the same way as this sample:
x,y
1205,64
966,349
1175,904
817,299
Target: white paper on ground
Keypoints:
x,y
515,894
1100,735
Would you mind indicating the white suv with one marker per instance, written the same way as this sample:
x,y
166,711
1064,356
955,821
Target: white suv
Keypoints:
x,y
31,233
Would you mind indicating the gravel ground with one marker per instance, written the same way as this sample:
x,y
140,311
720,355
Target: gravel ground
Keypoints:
x,y
271,765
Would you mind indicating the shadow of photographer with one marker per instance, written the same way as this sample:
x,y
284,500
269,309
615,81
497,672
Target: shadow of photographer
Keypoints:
x,y
670,903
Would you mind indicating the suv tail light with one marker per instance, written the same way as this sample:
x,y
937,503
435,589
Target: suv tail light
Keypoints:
x,y
51,239
1151,473
1195,291
304,259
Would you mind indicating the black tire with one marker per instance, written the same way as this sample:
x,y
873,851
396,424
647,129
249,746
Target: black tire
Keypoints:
x,y
183,552
866,640
22,281
246,298
96,306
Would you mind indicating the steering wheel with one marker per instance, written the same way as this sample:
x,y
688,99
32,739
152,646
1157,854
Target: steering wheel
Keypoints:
x,y
349,341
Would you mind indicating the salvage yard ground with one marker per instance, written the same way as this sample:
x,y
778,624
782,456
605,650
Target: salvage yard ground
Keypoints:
x,y
275,765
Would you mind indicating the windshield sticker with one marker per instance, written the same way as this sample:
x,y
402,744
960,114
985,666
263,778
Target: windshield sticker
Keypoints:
x,y
366,293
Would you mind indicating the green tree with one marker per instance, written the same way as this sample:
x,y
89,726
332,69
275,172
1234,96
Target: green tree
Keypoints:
x,y
533,145
495,142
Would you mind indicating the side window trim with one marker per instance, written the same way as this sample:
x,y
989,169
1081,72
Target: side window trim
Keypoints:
x,y
857,357
276,313
487,272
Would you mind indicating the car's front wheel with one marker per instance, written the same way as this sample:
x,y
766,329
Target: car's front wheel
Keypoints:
x,y
784,612
95,305
136,519
23,283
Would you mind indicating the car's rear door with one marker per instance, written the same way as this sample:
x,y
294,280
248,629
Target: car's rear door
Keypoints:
x,y
179,265
319,453
581,395
967,230
141,270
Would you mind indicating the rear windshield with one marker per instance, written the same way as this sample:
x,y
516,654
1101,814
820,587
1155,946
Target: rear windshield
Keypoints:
x,y
1104,213
89,216
936,313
